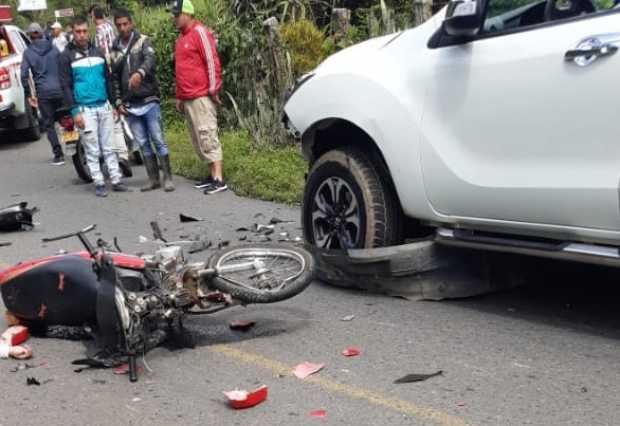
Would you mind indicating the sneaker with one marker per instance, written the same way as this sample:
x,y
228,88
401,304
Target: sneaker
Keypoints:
x,y
120,187
217,186
100,191
58,160
205,183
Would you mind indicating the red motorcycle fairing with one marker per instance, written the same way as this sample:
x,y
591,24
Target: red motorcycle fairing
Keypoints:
x,y
57,290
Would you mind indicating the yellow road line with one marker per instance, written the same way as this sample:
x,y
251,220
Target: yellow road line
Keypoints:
x,y
332,386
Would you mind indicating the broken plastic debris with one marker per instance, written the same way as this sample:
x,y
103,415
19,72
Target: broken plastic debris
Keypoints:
x,y
242,325
318,413
5,243
242,229
15,335
306,369
186,218
348,318
239,399
142,239
413,378
351,351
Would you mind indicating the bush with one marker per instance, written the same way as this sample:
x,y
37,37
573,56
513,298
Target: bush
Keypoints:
x,y
305,42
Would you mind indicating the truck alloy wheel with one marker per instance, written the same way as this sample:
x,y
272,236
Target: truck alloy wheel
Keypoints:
x,y
348,205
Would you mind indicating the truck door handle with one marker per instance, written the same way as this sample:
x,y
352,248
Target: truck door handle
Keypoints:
x,y
590,49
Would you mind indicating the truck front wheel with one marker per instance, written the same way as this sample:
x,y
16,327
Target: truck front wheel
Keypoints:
x,y
349,204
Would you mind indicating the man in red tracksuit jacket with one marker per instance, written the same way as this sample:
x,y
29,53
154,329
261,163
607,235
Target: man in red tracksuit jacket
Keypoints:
x,y
198,81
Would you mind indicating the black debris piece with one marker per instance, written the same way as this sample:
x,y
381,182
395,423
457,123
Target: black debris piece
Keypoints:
x,y
413,378
244,238
32,381
242,229
157,234
276,221
17,217
186,218
5,243
223,244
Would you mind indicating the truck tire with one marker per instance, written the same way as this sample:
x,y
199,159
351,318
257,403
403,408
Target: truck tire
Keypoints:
x,y
349,203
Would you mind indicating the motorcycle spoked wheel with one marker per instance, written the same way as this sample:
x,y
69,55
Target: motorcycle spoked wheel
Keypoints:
x,y
283,272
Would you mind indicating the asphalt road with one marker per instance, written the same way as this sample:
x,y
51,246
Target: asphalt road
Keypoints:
x,y
543,354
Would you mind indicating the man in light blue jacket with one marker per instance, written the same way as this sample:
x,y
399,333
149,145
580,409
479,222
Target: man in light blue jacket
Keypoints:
x,y
86,83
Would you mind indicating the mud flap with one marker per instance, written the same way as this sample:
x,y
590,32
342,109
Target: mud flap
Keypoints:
x,y
421,270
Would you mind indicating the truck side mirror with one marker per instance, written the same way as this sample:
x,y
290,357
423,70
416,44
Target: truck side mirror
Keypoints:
x,y
463,18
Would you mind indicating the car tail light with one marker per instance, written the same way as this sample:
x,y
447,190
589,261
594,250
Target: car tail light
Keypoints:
x,y
66,123
5,79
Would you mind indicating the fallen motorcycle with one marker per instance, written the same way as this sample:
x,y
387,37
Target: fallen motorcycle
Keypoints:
x,y
132,303
122,141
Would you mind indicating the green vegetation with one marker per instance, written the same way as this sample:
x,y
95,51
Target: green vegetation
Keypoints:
x,y
269,173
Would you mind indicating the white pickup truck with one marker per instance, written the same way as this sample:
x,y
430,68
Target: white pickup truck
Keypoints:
x,y
16,115
494,125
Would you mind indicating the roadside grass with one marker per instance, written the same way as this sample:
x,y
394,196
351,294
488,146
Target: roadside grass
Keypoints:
x,y
267,173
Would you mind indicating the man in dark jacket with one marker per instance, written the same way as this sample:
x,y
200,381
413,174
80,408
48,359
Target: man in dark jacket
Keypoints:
x,y
41,59
86,83
137,97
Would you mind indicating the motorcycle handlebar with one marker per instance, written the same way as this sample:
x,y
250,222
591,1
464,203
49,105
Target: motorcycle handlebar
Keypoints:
x,y
73,234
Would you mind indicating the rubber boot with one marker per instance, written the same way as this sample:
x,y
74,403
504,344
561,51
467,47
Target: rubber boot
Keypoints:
x,y
165,167
152,170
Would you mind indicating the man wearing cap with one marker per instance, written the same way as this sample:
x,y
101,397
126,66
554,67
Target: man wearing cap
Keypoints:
x,y
59,38
41,59
198,81
86,83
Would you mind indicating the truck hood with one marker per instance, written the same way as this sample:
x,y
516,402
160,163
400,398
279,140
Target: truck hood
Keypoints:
x,y
350,57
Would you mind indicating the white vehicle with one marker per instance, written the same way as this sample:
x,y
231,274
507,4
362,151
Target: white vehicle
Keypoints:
x,y
16,114
494,125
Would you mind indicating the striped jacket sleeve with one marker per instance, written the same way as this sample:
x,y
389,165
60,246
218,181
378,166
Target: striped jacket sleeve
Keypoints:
x,y
207,47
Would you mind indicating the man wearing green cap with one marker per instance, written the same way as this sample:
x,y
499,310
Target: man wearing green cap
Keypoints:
x,y
198,81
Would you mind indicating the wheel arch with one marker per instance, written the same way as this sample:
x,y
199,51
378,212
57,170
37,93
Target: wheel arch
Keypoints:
x,y
332,133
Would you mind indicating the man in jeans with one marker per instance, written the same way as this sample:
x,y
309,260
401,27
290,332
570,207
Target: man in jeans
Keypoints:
x,y
41,59
198,81
86,84
137,97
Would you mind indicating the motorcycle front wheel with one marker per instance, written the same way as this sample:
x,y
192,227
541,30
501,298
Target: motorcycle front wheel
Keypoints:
x,y
263,273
